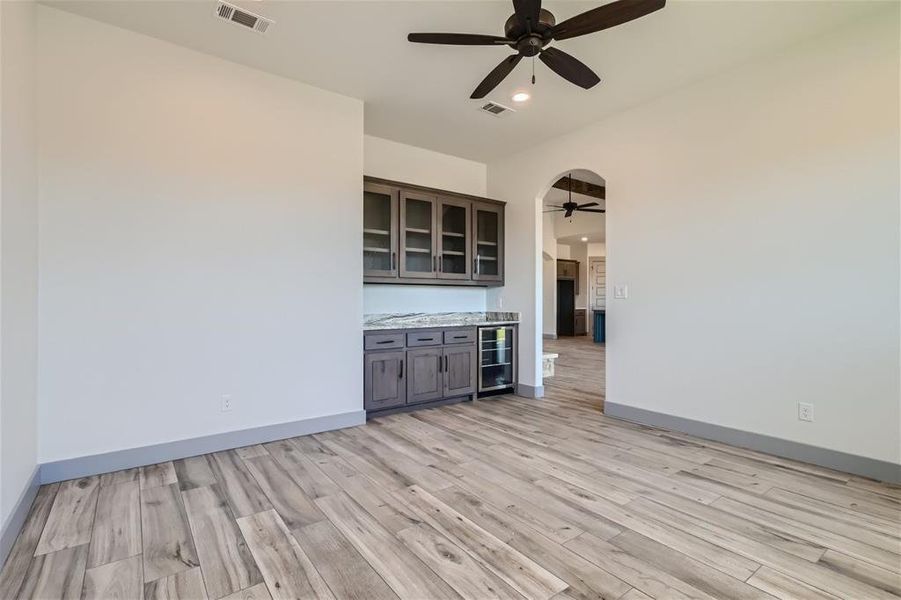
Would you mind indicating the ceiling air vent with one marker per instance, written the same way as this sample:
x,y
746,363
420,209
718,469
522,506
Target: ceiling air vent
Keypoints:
x,y
495,109
238,16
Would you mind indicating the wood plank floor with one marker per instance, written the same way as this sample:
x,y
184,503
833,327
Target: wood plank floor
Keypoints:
x,y
501,498
580,371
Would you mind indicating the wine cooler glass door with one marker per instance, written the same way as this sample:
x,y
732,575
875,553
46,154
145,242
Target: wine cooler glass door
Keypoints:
x,y
497,368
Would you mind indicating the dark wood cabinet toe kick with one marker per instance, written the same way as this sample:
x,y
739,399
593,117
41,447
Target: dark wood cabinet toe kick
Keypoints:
x,y
408,369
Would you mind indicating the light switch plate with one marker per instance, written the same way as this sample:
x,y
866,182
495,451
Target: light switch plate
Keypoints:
x,y
805,411
621,292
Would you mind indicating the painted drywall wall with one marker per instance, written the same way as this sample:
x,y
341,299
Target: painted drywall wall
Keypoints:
x,y
200,236
597,249
549,276
725,200
18,253
421,298
400,162
579,252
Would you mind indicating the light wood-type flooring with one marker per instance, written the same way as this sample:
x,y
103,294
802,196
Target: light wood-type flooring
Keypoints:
x,y
579,373
501,498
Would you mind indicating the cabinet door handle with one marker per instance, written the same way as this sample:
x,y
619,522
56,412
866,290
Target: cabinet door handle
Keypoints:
x,y
400,374
440,263
439,364
434,263
393,260
460,337
445,362
475,265
385,342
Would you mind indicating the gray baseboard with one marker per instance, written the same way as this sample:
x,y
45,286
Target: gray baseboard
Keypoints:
x,y
823,457
529,391
16,519
549,336
84,466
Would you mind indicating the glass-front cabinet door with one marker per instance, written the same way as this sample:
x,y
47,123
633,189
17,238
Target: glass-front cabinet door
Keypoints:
x,y
497,352
418,251
488,242
379,230
454,239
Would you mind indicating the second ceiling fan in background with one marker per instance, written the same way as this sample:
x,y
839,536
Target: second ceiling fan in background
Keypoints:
x,y
531,28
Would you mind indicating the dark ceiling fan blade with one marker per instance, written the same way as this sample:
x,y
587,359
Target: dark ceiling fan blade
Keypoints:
x,y
594,210
527,12
587,204
496,76
554,210
604,17
569,68
568,214
553,206
457,39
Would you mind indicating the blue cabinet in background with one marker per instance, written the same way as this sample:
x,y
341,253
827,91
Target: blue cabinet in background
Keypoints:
x,y
599,318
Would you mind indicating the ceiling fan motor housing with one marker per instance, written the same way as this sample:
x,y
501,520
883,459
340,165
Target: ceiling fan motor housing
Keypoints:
x,y
513,29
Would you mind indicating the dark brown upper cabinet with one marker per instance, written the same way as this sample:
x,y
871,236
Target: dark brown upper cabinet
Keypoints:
x,y
488,242
418,219
379,230
415,235
454,227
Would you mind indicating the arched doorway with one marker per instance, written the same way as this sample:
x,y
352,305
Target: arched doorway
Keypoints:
x,y
573,288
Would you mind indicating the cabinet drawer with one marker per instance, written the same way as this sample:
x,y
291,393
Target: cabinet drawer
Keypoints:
x,y
460,336
383,341
424,338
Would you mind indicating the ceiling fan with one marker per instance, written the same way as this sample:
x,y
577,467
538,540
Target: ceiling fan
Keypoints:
x,y
570,206
531,28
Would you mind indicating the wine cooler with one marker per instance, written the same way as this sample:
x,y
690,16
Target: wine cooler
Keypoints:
x,y
497,359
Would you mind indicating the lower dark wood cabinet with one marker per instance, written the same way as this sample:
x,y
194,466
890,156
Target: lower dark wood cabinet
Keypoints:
x,y
460,370
424,380
384,380
419,367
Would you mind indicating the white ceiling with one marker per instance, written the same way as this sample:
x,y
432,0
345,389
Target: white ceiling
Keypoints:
x,y
419,94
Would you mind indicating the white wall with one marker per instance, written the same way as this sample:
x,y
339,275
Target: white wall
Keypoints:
x,y
725,203
549,276
18,253
597,249
200,235
400,162
579,252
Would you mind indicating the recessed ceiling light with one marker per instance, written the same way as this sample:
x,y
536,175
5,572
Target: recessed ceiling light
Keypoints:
x,y
521,96
584,239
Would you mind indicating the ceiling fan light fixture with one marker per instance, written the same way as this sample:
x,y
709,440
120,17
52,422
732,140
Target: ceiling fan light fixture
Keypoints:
x,y
521,97
584,239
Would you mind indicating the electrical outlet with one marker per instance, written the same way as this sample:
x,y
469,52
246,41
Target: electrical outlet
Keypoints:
x,y
805,411
226,402
500,302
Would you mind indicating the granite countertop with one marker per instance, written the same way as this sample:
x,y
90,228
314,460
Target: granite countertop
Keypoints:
x,y
448,319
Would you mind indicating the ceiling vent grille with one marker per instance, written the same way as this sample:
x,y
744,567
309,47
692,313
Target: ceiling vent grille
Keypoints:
x,y
496,110
238,16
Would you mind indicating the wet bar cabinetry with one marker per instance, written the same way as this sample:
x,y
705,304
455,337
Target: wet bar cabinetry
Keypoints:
x,y
403,369
416,235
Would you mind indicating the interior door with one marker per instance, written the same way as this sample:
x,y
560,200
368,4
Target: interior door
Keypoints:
x,y
454,246
384,381
460,364
597,287
379,230
488,242
419,257
424,379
